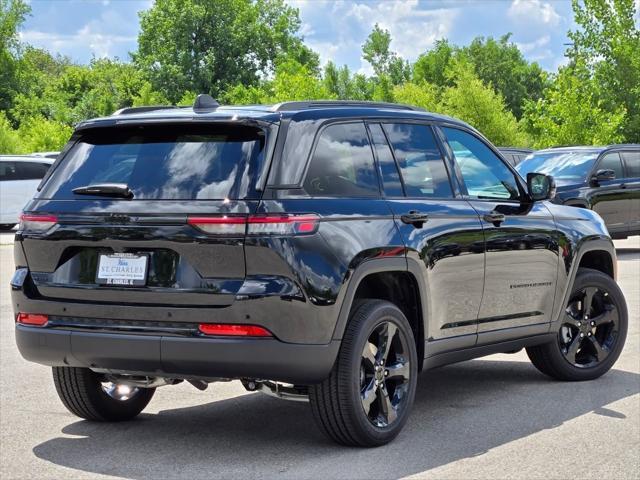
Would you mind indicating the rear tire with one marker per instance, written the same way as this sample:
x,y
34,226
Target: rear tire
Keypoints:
x,y
82,393
369,393
591,333
5,227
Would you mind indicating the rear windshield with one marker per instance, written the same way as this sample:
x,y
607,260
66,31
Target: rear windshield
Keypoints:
x,y
177,162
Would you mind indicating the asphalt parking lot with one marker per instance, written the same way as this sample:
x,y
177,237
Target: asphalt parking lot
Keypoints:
x,y
495,417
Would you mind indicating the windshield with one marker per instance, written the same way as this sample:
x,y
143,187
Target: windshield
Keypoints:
x,y
565,167
177,162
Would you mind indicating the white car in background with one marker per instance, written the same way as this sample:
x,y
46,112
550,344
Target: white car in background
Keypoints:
x,y
19,179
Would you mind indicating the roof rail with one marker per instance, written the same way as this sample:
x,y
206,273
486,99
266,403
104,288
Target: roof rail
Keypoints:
x,y
305,105
130,110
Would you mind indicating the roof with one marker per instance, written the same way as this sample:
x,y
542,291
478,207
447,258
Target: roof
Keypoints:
x,y
588,148
207,109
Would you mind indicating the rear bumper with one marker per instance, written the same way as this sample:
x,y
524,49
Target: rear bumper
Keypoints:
x,y
178,357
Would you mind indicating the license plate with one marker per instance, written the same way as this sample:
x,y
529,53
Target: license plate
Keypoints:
x,y
127,269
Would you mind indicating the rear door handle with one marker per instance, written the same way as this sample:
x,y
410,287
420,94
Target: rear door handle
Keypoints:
x,y
415,218
494,217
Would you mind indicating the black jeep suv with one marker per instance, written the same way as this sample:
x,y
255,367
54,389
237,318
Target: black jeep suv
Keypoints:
x,y
320,251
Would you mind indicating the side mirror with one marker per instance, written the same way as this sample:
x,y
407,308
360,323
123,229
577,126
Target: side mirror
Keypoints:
x,y
602,176
540,186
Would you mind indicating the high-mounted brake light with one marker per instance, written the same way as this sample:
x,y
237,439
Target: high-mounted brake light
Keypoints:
x,y
32,319
279,224
233,330
37,222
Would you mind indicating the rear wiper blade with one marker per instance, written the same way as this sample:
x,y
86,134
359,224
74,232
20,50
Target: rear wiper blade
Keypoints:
x,y
105,189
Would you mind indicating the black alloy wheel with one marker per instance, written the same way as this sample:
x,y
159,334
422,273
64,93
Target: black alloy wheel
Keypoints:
x,y
384,374
590,328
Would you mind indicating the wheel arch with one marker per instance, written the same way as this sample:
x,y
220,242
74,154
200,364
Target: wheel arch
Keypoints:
x,y
393,280
596,253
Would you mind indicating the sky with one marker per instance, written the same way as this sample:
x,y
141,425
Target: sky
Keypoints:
x,y
82,29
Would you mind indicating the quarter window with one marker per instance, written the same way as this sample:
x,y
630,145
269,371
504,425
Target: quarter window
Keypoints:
x,y
420,160
342,164
611,161
388,168
632,161
485,175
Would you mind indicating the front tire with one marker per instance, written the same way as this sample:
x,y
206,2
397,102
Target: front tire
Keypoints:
x,y
591,333
368,396
5,227
84,394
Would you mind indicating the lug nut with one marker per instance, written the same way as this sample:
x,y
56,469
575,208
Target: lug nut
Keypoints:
x,y
586,317
579,323
582,335
386,372
589,334
593,324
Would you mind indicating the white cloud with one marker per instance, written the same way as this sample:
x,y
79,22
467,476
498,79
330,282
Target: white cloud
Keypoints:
x,y
529,47
527,11
413,30
99,36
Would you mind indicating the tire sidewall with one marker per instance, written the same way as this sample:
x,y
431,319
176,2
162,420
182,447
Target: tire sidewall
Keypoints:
x,y
376,313
593,278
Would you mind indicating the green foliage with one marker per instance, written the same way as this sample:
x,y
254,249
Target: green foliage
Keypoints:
x,y
209,47
608,42
12,14
250,51
571,112
479,105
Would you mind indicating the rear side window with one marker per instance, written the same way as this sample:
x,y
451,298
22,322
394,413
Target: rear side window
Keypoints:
x,y
178,162
7,170
611,161
420,160
342,164
632,161
22,170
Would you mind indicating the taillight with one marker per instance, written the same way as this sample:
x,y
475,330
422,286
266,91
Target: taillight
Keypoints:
x,y
232,330
280,224
37,222
32,319
220,225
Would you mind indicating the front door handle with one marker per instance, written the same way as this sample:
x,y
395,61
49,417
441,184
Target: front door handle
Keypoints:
x,y
494,217
415,218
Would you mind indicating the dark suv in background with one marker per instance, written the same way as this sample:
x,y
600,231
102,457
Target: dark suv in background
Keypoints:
x,y
603,179
320,251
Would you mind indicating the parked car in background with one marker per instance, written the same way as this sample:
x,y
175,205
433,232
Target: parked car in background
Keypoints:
x,y
603,179
321,251
514,155
19,178
53,155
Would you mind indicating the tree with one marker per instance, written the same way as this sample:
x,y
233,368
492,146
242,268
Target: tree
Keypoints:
x,y
572,113
342,85
385,63
608,43
500,63
424,95
12,15
479,105
208,47
431,66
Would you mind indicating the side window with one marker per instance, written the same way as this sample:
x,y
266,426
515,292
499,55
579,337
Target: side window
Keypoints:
x,y
611,161
7,171
342,164
632,161
31,170
388,168
485,175
420,160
